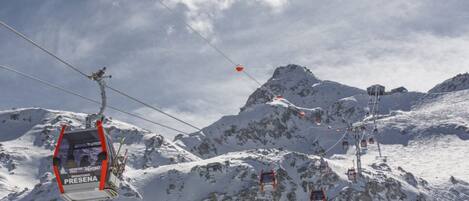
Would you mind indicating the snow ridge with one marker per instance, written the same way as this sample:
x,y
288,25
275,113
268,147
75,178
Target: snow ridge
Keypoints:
x,y
459,82
285,134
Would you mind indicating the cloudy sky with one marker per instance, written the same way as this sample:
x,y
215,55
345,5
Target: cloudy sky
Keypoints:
x,y
154,56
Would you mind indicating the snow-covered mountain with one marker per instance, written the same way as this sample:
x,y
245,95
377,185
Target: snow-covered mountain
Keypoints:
x,y
269,122
424,137
298,85
459,82
28,137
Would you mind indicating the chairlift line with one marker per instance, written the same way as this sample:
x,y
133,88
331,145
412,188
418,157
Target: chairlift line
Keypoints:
x,y
85,75
88,99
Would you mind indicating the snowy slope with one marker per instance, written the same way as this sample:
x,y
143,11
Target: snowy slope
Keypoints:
x,y
267,122
234,176
424,136
28,137
272,125
356,107
435,114
459,82
298,85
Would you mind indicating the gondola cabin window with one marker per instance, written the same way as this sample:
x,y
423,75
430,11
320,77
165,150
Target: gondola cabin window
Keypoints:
x,y
268,178
79,156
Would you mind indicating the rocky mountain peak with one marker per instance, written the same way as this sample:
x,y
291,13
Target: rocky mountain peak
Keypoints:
x,y
293,71
459,82
298,85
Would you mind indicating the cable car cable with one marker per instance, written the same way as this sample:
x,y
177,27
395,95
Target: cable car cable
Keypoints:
x,y
86,98
84,74
330,148
43,49
206,40
152,107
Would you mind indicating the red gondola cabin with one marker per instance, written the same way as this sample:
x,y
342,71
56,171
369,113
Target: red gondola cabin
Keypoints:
x,y
82,165
268,179
302,114
318,196
363,144
352,174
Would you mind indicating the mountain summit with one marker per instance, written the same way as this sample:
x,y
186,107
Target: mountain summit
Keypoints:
x,y
424,138
459,82
298,85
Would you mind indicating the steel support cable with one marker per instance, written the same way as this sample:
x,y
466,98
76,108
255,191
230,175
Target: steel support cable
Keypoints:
x,y
152,107
84,74
206,40
86,98
40,47
199,34
326,128
330,148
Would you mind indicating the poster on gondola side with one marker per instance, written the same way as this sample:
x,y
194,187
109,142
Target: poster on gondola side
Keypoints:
x,y
80,175
79,162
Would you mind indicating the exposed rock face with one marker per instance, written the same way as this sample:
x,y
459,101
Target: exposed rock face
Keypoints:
x,y
263,126
223,162
399,90
7,160
298,85
297,176
459,189
310,114
459,82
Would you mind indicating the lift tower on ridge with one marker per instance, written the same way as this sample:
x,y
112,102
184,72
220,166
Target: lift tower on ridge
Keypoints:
x,y
375,92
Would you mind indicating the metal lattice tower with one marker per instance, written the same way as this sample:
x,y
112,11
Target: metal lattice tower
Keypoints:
x,y
357,135
375,92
